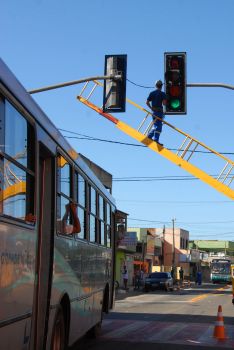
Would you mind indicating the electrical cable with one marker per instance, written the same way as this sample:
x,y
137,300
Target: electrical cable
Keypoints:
x,y
142,86
91,138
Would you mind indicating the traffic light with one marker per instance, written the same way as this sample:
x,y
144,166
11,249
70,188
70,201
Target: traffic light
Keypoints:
x,y
175,82
114,92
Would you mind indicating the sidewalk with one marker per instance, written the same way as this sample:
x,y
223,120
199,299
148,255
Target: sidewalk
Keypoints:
x,y
121,294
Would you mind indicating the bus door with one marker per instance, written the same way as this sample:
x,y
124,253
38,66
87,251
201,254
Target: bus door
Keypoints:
x,y
44,269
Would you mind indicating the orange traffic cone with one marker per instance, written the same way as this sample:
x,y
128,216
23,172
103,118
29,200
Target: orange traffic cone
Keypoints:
x,y
219,330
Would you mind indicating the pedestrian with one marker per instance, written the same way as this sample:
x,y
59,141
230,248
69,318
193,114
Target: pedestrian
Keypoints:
x,y
125,277
155,101
142,276
199,278
172,272
181,273
137,279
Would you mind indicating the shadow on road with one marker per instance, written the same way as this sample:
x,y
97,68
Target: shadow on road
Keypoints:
x,y
87,344
193,290
164,317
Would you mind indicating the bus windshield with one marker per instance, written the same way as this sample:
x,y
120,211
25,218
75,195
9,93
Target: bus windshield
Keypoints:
x,y
221,267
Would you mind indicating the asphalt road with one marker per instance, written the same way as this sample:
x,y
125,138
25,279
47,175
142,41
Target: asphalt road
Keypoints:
x,y
181,319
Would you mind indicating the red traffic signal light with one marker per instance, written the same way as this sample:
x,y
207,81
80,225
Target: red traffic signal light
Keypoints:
x,y
175,82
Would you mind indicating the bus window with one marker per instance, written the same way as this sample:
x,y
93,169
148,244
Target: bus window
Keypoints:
x,y
15,135
108,225
108,214
67,215
80,197
102,233
92,228
101,216
81,191
92,214
93,206
64,174
101,208
17,165
81,216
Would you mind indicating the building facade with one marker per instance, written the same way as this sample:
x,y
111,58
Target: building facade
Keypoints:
x,y
148,256
176,251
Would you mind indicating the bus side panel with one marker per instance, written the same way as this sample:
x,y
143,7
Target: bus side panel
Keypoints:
x,y
81,270
81,309
67,271
15,335
17,278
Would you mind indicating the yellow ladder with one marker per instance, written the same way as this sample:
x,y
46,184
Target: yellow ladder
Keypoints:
x,y
184,156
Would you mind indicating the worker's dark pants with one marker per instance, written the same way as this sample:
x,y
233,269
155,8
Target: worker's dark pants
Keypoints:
x,y
157,127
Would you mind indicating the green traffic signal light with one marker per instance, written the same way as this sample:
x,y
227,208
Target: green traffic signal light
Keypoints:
x,y
175,103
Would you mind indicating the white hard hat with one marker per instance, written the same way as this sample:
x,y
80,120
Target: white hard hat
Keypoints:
x,y
159,83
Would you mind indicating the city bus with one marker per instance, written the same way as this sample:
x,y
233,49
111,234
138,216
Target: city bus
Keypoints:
x,y
220,271
57,231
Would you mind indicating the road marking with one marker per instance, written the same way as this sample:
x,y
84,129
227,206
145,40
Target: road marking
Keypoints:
x,y
168,332
126,329
164,332
203,296
200,297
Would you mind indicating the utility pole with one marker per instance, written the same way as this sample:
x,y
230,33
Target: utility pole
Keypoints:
x,y
173,244
143,251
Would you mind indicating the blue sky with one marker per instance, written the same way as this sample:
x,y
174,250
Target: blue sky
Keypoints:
x,y
48,42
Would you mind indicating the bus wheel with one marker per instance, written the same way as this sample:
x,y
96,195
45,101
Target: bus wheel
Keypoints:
x,y
58,335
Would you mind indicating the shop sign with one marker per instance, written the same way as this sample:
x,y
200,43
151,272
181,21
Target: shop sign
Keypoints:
x,y
184,258
195,255
128,240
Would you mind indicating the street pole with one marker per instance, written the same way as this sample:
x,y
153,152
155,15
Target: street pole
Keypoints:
x,y
226,86
173,244
143,254
119,77
74,82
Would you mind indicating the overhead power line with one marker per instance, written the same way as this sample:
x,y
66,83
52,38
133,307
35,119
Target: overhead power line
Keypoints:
x,y
142,86
173,202
91,138
183,222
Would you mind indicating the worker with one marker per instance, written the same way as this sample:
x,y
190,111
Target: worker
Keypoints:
x,y
155,101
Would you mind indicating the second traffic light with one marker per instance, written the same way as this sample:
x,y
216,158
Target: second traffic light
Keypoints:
x,y
175,82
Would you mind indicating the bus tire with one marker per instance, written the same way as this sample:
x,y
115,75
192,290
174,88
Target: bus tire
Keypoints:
x,y
58,341
105,300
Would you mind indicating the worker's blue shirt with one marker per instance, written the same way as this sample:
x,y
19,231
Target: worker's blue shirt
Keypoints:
x,y
156,98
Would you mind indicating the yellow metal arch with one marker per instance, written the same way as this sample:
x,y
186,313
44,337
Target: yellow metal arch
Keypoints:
x,y
13,190
182,158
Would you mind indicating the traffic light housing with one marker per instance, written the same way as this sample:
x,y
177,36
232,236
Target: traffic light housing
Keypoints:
x,y
175,82
114,92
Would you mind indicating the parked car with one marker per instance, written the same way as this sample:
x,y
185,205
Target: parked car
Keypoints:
x,y
159,280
